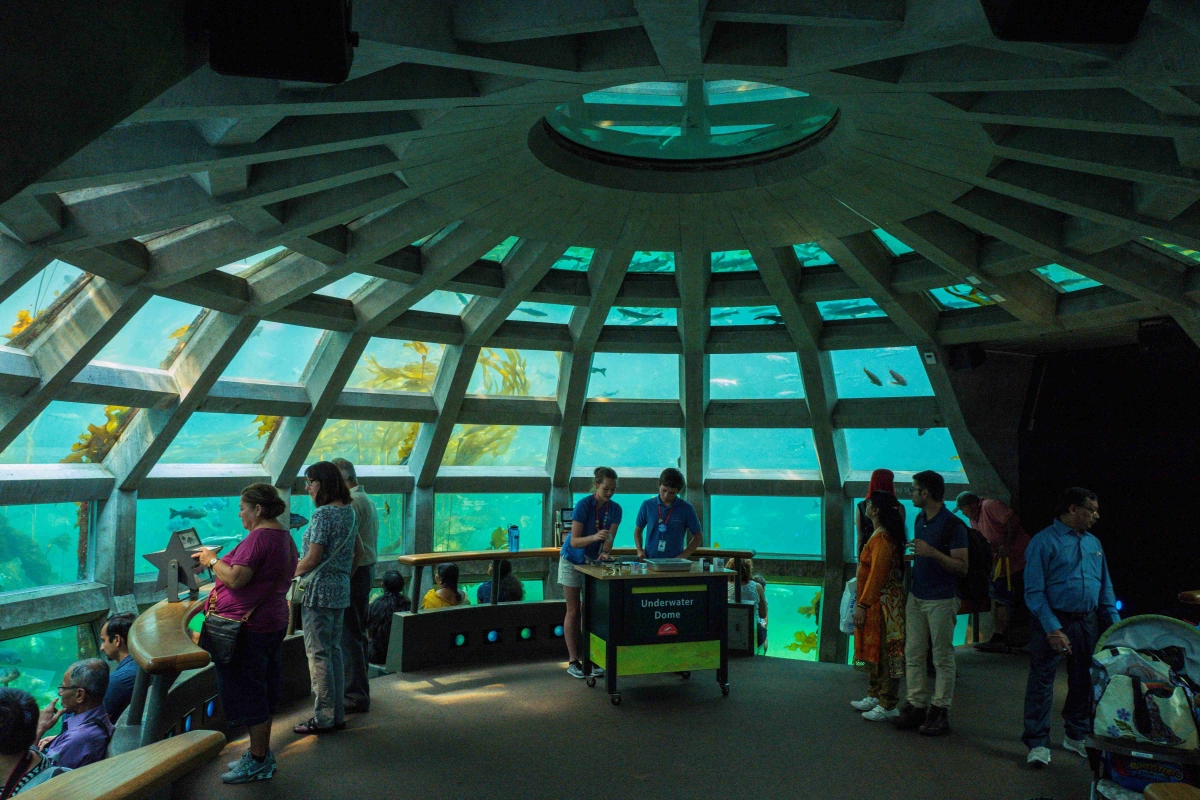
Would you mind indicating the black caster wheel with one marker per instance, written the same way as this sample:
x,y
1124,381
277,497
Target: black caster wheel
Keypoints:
x,y
591,682
616,699
685,675
725,689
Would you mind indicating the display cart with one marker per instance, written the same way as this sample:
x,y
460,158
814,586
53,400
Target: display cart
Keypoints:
x,y
643,623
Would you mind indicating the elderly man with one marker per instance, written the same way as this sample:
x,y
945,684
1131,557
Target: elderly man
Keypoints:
x,y
1070,597
86,727
354,626
1004,532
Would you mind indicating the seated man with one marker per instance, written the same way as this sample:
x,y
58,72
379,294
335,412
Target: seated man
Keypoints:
x,y
86,727
114,643
511,589
24,766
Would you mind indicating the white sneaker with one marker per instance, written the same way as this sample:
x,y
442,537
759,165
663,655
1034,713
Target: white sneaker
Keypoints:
x,y
866,704
1076,746
1038,757
880,714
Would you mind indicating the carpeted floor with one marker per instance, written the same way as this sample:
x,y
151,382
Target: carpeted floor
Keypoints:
x,y
786,730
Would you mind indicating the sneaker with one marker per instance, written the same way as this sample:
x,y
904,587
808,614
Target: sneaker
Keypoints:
x,y
880,714
1038,757
248,769
937,722
1076,746
597,672
909,716
234,764
575,670
866,704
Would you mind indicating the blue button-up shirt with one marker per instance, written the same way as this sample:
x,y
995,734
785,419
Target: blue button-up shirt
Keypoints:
x,y
1066,571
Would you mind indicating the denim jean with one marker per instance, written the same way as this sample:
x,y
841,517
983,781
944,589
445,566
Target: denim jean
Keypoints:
x,y
1039,691
323,642
354,637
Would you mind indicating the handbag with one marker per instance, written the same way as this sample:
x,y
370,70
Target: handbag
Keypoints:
x,y
300,583
849,600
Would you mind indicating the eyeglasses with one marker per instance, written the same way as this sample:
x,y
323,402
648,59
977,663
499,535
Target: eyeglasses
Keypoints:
x,y
309,482
62,689
1093,510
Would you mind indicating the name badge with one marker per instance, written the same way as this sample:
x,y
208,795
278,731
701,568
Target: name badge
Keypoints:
x,y
662,545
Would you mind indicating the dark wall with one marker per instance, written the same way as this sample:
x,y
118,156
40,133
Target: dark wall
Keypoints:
x,y
1125,423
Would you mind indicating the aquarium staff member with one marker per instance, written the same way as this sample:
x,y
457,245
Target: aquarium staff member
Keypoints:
x,y
669,520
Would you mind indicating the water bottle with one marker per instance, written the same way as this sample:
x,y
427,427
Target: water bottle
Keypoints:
x,y
514,538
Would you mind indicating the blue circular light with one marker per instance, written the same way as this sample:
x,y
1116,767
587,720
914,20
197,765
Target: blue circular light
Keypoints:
x,y
1119,605
460,640
558,630
187,723
526,633
211,708
493,636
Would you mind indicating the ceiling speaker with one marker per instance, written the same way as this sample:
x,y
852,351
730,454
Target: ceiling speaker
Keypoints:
x,y
1076,21
292,40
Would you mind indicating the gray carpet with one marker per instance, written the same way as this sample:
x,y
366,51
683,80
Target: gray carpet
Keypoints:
x,y
786,730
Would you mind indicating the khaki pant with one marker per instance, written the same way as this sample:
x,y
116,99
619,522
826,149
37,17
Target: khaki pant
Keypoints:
x,y
926,620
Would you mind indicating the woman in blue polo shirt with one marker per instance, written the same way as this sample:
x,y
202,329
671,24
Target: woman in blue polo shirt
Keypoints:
x,y
669,521
593,525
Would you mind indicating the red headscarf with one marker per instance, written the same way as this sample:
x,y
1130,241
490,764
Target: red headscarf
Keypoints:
x,y
882,480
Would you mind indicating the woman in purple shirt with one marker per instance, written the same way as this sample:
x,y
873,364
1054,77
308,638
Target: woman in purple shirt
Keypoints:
x,y
252,583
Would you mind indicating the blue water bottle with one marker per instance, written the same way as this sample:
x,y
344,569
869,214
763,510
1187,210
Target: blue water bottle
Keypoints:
x,y
514,538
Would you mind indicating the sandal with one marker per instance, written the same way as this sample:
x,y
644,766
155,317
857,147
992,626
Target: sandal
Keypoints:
x,y
311,727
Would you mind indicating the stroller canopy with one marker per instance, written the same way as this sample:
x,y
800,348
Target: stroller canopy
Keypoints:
x,y
1154,632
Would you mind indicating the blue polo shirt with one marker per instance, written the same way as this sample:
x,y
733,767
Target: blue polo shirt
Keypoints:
x,y
586,513
120,688
667,527
1067,571
945,532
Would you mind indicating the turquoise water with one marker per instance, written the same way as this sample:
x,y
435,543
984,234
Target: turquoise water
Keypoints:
x,y
397,365
554,313
880,372
962,295
755,376
211,438
497,446
733,261
41,545
788,526
1065,280
442,302
146,340
902,449
49,438
480,521
860,308
634,376
761,448
345,287
793,620
652,261
656,448
516,372
36,294
501,250
812,254
630,315
534,590
274,352
576,259
897,247
742,315
40,660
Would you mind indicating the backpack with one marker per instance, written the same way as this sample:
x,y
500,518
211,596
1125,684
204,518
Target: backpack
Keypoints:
x,y
974,588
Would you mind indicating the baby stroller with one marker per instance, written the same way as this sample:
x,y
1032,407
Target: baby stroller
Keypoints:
x,y
1145,685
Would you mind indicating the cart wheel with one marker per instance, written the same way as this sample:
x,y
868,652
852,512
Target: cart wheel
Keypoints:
x,y
616,699
591,682
685,675
725,689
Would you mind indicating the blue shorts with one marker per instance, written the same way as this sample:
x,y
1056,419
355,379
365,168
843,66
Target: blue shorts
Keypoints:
x,y
249,686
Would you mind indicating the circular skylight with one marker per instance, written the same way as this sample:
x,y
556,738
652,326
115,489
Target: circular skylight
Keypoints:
x,y
691,121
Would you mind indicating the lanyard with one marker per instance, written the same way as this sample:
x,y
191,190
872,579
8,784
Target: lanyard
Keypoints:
x,y
670,511
600,527
17,774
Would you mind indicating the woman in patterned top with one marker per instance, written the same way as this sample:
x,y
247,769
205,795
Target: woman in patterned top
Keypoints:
x,y
21,766
329,552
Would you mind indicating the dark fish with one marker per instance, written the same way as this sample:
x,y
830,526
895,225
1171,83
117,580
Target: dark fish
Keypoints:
x,y
607,395
297,521
257,332
897,378
600,371
9,656
191,512
462,298
775,318
872,377
9,676
922,431
533,312
625,312
724,314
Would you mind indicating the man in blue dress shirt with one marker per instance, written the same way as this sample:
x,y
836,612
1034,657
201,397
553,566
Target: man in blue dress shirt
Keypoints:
x,y
1071,600
668,521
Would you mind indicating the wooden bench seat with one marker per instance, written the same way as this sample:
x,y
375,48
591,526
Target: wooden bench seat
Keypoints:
x,y
135,774
1172,791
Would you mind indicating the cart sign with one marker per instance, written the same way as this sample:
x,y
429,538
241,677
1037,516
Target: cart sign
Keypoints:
x,y
668,611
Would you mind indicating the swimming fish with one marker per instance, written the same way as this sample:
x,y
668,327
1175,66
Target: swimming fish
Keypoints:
x,y
533,312
724,314
462,298
774,357
9,656
897,378
607,395
625,312
955,458
787,393
297,521
922,431
216,522
179,332
257,332
787,376
723,381
774,318
9,676
600,371
191,512
872,377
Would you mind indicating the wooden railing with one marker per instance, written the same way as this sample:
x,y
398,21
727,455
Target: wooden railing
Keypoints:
x,y
419,561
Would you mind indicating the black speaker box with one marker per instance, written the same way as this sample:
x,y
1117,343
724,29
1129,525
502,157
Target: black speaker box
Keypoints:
x,y
294,40
1074,21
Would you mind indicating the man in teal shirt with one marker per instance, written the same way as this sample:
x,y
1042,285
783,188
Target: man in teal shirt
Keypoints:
x,y
669,520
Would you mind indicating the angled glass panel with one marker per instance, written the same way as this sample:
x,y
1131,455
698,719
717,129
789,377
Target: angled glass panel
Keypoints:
x,y
757,376
68,432
215,520
441,302
860,308
733,261
894,245
761,448
1187,252
35,664
880,372
652,261
777,525
44,545
792,613
150,338
235,267
962,295
497,446
397,365
275,352
555,313
480,521
811,254
25,304
623,315
742,315
634,376
345,287
365,442
501,250
211,438
1066,280
389,509
655,448
902,449
516,373
576,259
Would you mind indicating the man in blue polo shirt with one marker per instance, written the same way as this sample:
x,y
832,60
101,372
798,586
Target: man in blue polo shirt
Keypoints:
x,y
669,521
940,547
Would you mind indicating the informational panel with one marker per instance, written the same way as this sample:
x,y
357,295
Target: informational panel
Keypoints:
x,y
668,611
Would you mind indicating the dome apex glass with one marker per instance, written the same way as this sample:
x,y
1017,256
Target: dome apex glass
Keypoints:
x,y
691,120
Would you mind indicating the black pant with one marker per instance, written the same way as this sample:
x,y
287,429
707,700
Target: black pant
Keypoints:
x,y
354,638
1039,691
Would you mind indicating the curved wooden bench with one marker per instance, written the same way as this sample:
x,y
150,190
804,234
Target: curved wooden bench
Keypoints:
x,y
135,774
1191,598
1172,791
159,641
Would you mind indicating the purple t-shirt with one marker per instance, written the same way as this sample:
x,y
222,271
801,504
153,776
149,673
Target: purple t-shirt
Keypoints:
x,y
272,555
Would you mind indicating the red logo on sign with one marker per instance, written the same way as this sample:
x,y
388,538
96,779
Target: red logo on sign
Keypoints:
x,y
667,630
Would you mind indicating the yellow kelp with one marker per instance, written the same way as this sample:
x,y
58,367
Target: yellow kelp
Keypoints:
x,y
95,443
805,642
811,610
